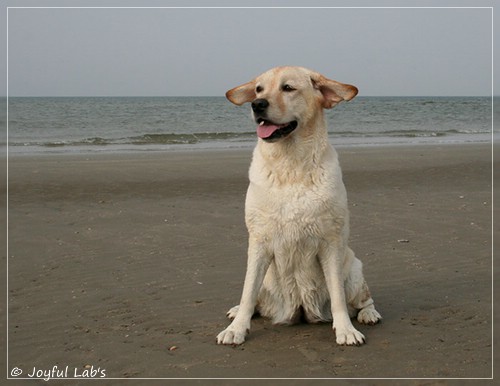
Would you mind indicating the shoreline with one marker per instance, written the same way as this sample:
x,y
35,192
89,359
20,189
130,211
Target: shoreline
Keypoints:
x,y
354,142
128,262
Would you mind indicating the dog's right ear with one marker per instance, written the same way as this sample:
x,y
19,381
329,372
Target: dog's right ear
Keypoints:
x,y
242,94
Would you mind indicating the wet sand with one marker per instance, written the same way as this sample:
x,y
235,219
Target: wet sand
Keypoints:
x,y
129,262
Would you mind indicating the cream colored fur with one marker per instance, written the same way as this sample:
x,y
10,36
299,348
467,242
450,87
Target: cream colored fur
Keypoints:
x,y
299,264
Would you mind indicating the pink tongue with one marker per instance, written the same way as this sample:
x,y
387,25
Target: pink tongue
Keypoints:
x,y
265,131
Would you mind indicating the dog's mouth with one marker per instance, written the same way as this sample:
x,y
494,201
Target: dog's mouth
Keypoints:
x,y
270,131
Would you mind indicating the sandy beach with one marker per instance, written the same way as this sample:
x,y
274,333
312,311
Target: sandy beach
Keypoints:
x,y
129,262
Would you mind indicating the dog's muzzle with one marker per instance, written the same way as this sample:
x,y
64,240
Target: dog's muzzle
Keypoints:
x,y
267,130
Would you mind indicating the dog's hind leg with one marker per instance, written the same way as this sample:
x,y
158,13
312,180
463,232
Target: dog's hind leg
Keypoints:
x,y
358,294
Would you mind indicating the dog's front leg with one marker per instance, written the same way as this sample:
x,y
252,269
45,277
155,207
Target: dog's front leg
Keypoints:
x,y
259,259
331,259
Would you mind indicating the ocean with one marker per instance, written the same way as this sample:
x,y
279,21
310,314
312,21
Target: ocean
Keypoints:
x,y
117,124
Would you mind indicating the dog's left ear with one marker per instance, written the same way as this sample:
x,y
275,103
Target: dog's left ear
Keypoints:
x,y
333,92
242,94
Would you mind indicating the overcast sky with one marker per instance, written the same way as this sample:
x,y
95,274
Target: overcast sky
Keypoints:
x,y
204,52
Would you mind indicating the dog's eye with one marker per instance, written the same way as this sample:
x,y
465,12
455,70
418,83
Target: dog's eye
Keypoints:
x,y
258,89
287,88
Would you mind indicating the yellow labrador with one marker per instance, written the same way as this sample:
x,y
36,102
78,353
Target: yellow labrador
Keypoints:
x,y
299,264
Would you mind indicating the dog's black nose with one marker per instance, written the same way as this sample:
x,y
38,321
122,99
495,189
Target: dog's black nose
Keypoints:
x,y
259,105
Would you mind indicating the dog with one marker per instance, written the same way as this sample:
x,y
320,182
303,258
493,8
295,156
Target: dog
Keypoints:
x,y
299,266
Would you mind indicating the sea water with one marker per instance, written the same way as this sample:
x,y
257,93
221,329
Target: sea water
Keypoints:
x,y
110,124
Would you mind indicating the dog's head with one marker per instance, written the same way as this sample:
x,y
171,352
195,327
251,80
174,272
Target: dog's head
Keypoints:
x,y
285,98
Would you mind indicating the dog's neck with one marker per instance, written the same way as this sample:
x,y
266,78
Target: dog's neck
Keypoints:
x,y
300,154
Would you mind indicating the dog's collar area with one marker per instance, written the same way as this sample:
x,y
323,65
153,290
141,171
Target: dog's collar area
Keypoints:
x,y
271,132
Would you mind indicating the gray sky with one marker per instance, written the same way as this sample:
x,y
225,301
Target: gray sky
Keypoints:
x,y
191,52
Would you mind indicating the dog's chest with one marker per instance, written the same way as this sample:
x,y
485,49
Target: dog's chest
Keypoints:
x,y
291,200
295,206
291,213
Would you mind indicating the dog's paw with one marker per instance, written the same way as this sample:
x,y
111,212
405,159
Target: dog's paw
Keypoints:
x,y
369,315
231,314
231,336
349,337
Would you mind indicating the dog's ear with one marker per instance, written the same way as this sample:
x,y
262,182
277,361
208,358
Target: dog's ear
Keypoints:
x,y
333,92
242,94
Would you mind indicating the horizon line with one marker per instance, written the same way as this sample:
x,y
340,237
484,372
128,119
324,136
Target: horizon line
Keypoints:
x,y
222,96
